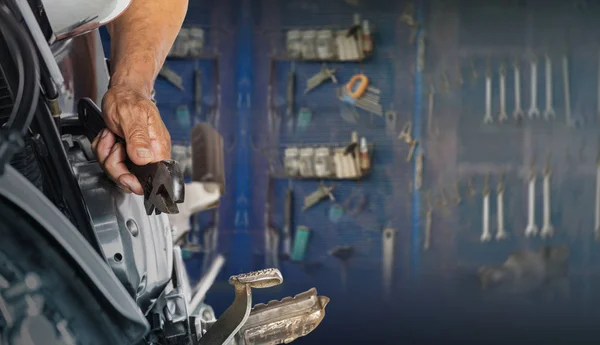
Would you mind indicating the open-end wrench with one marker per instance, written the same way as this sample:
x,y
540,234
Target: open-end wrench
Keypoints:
x,y
501,234
567,89
502,115
518,113
389,239
531,230
534,111
234,318
487,119
486,234
281,322
598,91
549,111
597,208
547,228
428,222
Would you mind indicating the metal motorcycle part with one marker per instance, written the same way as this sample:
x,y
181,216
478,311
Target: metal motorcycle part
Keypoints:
x,y
281,322
234,318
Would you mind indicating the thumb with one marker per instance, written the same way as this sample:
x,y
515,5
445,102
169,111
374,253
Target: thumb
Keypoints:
x,y
137,142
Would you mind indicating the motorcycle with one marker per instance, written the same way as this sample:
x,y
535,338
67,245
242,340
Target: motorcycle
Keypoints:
x,y
81,261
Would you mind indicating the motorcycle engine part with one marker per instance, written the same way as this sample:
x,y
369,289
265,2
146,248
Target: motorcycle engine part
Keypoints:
x,y
123,227
300,243
91,268
234,318
42,293
207,156
82,17
281,322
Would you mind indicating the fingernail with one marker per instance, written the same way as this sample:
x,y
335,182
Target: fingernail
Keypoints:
x,y
125,187
104,133
144,153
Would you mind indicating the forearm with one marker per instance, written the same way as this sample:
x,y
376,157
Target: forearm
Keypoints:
x,y
141,39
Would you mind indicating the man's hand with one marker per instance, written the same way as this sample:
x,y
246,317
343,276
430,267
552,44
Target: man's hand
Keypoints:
x,y
131,115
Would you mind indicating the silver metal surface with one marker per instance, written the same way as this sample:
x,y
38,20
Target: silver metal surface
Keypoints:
x,y
502,116
501,233
281,322
81,16
518,112
531,229
208,278
143,263
234,318
549,111
389,240
40,41
533,108
567,90
487,119
547,228
23,194
486,234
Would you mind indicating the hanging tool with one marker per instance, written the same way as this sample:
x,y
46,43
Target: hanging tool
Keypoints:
x,y
549,111
172,77
486,234
518,112
287,224
567,90
419,171
300,243
428,221
343,253
271,234
531,230
406,135
487,119
547,228
502,116
432,130
357,86
321,193
533,108
501,234
321,77
290,98
198,91
234,318
389,239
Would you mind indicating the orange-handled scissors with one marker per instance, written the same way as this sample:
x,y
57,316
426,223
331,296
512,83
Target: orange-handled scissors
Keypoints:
x,y
357,86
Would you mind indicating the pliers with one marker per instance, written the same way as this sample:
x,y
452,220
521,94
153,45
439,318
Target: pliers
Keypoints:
x,y
162,182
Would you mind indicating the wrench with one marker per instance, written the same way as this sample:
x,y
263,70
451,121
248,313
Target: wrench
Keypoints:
x,y
533,109
428,221
598,91
597,213
501,234
486,235
488,99
547,228
567,88
431,130
531,229
549,112
518,113
389,236
502,116
234,318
